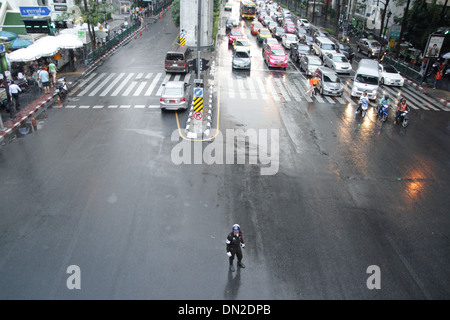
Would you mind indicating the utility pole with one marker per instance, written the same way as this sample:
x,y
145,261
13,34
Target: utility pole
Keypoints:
x,y
405,14
199,21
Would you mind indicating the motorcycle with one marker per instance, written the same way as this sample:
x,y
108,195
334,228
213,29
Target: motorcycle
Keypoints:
x,y
382,112
22,83
403,118
363,105
62,89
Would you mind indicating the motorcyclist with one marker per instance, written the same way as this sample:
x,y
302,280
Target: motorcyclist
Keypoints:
x,y
401,106
363,97
383,101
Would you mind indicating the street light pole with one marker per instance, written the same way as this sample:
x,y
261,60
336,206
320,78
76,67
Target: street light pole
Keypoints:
x,y
199,20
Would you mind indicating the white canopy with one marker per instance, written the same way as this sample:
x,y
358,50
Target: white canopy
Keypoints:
x,y
68,41
45,47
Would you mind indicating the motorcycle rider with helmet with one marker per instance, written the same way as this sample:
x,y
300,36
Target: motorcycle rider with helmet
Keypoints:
x,y
383,101
361,99
401,106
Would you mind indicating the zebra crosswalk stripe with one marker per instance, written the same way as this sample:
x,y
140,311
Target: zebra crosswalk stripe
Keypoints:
x,y
120,87
153,84
272,90
112,85
251,89
91,84
282,90
101,85
302,90
82,83
261,88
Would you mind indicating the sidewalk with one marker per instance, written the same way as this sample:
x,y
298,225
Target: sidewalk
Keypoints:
x,y
35,101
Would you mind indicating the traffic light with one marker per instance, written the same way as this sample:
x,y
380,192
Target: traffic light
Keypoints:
x,y
37,25
204,64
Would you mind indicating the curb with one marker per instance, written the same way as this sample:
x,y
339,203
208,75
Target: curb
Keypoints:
x,y
440,100
206,131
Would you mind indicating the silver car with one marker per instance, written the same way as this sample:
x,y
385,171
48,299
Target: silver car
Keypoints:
x,y
175,96
369,47
309,63
337,62
328,82
241,59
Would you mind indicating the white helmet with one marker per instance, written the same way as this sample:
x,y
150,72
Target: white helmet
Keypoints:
x,y
236,228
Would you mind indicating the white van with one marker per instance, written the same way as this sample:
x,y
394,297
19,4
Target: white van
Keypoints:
x,y
323,45
367,77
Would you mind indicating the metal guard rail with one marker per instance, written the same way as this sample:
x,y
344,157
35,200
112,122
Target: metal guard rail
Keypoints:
x,y
100,51
405,70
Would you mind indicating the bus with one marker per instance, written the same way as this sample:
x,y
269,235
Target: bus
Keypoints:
x,y
247,9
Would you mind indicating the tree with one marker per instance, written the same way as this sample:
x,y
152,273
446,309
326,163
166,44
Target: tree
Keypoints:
x,y
176,12
93,12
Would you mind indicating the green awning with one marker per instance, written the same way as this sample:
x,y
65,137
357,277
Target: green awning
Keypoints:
x,y
14,19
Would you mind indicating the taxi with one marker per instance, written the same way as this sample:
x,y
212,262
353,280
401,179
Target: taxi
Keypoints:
x,y
241,43
262,34
234,34
256,26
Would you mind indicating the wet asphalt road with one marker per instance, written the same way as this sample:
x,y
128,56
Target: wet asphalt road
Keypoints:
x,y
98,188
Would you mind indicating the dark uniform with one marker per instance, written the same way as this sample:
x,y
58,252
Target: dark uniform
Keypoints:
x,y
234,244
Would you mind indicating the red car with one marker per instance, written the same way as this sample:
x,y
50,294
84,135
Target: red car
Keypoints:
x,y
256,26
234,34
290,27
275,56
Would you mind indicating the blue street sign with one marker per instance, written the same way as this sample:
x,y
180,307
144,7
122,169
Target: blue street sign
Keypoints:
x,y
198,92
182,35
2,48
34,11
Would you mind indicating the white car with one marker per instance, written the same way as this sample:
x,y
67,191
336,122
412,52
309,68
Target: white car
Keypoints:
x,y
287,39
303,23
337,62
390,76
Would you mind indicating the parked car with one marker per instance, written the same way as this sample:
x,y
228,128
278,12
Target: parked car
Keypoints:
x,y
298,50
370,47
262,34
175,96
234,34
275,56
390,76
241,59
288,39
228,7
328,82
337,62
309,63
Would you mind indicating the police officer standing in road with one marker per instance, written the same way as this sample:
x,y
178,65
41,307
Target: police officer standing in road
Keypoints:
x,y
234,244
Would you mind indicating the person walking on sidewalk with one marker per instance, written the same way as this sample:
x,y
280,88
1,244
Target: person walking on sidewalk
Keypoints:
x,y
14,90
437,78
43,75
234,244
52,68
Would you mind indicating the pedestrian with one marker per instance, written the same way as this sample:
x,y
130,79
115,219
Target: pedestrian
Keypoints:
x,y
52,68
14,90
43,75
437,78
234,244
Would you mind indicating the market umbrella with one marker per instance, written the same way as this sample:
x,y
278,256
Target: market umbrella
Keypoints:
x,y
23,55
446,56
8,36
19,43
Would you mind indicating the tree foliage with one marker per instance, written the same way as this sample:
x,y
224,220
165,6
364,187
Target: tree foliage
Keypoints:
x,y
176,12
93,12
